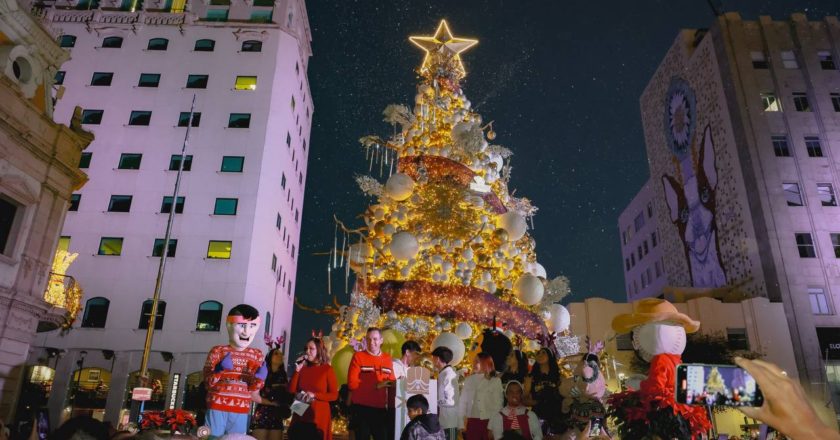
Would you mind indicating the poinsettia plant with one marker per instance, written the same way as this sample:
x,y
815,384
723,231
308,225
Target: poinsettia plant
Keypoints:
x,y
652,417
175,420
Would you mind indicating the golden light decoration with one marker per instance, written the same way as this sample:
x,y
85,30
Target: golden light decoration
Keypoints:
x,y
442,209
435,168
444,44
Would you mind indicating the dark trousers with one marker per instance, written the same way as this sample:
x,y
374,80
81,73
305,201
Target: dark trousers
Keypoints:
x,y
370,423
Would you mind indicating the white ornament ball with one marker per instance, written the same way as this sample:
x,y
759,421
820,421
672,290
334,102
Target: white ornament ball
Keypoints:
x,y
558,318
463,330
537,270
389,229
452,342
529,289
399,186
513,223
404,246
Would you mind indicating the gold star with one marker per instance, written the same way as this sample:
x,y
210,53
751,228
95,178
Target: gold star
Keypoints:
x,y
444,43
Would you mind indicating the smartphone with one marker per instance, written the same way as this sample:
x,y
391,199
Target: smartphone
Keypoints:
x,y
718,385
598,426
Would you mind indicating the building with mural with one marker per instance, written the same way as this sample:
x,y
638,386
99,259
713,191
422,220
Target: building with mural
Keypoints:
x,y
742,127
134,69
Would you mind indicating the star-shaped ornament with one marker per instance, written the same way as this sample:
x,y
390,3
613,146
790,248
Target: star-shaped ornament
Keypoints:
x,y
443,43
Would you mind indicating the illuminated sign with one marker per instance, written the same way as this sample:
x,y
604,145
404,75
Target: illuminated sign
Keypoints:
x,y
173,390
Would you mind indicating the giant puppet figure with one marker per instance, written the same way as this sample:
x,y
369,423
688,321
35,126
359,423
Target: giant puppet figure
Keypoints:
x,y
234,374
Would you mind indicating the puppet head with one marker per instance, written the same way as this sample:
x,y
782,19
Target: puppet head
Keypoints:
x,y
243,323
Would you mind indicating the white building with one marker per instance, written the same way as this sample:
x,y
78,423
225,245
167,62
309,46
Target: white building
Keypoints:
x,y
644,274
239,209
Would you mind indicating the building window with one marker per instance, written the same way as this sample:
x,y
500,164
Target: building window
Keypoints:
x,y
67,41
140,117
158,44
130,161
789,59
304,142
59,77
825,191
119,204
297,215
96,312
8,214
63,243
225,206
92,117
84,160
245,83
166,205
835,99
219,250
146,313
792,194
300,178
184,119
819,301
639,222
273,262
279,221
800,102
232,164
812,144
658,268
826,60
175,162
653,238
261,16
283,180
209,317
632,259
251,46
74,202
197,81
288,140
239,120
112,42
835,243
216,15
624,342
204,45
780,145
645,246
157,248
805,244
110,246
770,103
102,78
759,60
293,104
736,339
626,264
149,80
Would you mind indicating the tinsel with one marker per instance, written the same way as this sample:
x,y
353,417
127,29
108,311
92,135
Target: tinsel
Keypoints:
x,y
369,313
499,150
398,114
468,137
566,345
523,206
556,290
369,185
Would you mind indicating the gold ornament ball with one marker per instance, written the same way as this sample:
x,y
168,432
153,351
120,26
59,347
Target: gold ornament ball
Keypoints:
x,y
491,135
379,227
500,235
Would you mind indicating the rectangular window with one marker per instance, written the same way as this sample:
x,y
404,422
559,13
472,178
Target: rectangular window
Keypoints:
x,y
293,105
819,301
63,243
92,117
8,213
835,101
225,206
736,339
273,262
825,191
157,248
304,145
770,103
645,246
245,83
800,102
639,222
653,238
297,215
197,81
792,194
826,60
67,41
184,119
626,264
232,164
158,44
140,117
102,78
119,204
283,180
175,162
759,60
300,178
216,15
279,221
639,252
288,140
632,259
110,246
75,199
658,267
59,77
789,59
624,342
219,249
261,16
780,145
623,237
130,161
166,205
812,144
251,46
149,80
835,243
84,160
239,120
805,244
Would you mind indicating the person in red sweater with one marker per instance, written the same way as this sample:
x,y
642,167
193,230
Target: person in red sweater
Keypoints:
x,y
315,378
234,374
370,375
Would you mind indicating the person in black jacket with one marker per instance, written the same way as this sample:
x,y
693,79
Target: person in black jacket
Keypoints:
x,y
423,425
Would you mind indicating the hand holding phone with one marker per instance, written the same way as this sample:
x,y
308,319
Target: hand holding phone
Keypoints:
x,y
717,385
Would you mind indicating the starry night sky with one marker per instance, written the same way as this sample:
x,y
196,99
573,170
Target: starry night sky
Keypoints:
x,y
562,81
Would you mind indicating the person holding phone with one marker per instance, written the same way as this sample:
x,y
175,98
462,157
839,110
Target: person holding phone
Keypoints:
x,y
315,380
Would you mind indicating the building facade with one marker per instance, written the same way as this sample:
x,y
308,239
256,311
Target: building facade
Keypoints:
x,y
644,273
135,69
38,173
742,127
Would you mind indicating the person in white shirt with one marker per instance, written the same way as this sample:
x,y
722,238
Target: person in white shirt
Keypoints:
x,y
515,417
410,352
481,398
448,411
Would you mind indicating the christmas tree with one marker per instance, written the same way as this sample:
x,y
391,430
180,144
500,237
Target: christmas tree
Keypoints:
x,y
445,250
714,383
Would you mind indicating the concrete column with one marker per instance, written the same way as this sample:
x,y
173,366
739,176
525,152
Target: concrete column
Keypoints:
x,y
61,387
119,380
18,322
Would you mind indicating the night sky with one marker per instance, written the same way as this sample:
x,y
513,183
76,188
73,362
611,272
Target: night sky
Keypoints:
x,y
562,81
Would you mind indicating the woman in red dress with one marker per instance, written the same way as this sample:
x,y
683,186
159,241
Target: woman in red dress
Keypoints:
x,y
314,377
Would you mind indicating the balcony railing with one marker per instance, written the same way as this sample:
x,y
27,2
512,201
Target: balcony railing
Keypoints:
x,y
65,294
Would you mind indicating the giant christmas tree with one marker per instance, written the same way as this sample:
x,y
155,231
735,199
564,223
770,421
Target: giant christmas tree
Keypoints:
x,y
445,250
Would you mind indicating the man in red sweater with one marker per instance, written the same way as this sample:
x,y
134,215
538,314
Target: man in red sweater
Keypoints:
x,y
370,375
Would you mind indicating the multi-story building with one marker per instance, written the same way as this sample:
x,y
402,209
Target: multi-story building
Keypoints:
x,y
742,127
135,69
643,260
38,173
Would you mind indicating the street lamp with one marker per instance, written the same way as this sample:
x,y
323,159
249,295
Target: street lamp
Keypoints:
x,y
79,363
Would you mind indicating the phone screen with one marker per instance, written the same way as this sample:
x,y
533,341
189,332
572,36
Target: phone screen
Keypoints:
x,y
597,426
719,385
